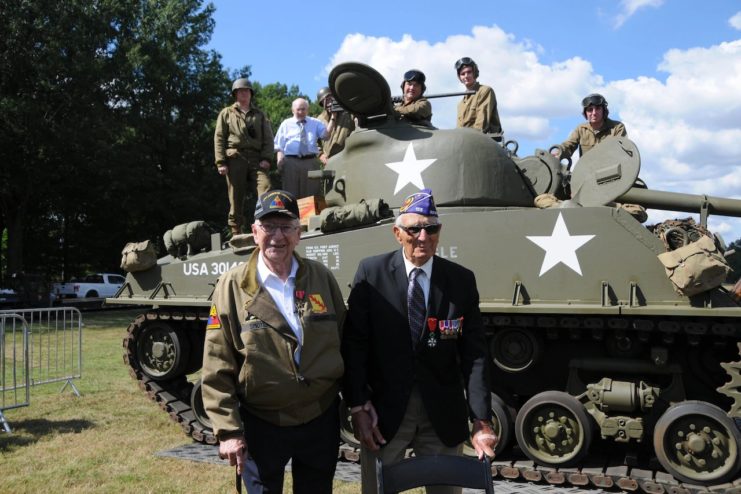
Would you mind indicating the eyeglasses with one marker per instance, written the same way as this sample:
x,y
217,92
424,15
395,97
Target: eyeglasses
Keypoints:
x,y
415,230
414,75
271,229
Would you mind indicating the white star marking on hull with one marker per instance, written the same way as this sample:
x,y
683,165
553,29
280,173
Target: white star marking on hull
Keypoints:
x,y
560,247
410,169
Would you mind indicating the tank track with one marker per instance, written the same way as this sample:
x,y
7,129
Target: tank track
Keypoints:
x,y
601,474
172,396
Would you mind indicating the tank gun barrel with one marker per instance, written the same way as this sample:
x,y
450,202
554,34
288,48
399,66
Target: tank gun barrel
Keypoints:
x,y
689,203
399,99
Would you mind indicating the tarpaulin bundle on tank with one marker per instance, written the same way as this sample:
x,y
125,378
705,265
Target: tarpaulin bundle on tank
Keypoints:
x,y
187,239
138,256
693,262
362,213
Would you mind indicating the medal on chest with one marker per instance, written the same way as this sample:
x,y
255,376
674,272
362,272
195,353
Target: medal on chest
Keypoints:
x,y
432,335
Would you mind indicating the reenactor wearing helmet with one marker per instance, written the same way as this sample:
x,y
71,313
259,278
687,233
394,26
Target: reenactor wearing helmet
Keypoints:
x,y
593,131
479,110
344,125
413,107
243,148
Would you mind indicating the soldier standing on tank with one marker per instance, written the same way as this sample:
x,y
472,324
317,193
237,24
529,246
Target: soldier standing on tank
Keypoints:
x,y
413,106
344,126
296,144
243,148
271,364
593,131
479,110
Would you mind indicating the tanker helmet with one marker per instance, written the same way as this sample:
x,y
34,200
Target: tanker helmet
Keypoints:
x,y
242,83
323,93
467,62
414,75
594,99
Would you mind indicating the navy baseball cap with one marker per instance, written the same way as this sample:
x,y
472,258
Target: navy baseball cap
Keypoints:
x,y
276,201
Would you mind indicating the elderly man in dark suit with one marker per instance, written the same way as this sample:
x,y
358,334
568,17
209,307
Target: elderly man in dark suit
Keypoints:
x,y
414,350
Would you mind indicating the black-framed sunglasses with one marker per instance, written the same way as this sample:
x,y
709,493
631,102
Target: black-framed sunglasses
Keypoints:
x,y
415,230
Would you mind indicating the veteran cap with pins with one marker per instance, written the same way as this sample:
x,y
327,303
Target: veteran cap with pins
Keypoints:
x,y
420,202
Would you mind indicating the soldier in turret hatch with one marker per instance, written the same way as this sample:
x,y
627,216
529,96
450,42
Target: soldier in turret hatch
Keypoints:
x,y
414,107
479,110
593,131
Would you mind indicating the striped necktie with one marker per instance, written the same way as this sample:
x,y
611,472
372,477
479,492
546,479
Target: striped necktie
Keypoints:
x,y
415,306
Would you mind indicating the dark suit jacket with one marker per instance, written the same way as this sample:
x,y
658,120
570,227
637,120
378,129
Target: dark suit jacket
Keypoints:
x,y
381,365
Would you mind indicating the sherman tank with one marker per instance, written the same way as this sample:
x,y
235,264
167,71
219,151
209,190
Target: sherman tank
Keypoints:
x,y
604,371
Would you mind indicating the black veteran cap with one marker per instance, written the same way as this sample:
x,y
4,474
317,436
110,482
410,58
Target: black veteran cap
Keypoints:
x,y
420,202
276,201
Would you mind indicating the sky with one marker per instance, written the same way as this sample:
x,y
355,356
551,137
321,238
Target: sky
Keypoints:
x,y
669,69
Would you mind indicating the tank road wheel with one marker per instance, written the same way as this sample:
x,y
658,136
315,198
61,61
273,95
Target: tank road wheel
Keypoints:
x,y
502,418
697,443
553,429
346,430
162,351
514,349
196,404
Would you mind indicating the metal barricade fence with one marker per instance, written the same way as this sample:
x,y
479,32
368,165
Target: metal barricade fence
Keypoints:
x,y
15,377
55,344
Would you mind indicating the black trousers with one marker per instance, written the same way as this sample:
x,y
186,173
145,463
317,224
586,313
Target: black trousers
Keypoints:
x,y
311,447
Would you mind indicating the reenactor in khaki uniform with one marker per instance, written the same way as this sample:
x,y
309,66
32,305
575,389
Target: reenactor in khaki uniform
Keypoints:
x,y
413,107
345,125
243,148
593,131
479,110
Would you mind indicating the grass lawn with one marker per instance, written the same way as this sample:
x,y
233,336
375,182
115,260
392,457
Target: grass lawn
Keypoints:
x,y
105,440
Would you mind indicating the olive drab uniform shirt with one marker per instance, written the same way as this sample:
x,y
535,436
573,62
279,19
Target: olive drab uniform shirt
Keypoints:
x,y
479,110
585,138
417,112
344,126
246,134
248,358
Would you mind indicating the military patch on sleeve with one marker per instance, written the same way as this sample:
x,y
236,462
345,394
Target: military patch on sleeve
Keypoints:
x,y
317,303
213,319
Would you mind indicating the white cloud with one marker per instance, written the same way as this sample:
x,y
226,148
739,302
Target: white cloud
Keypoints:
x,y
735,21
687,125
630,7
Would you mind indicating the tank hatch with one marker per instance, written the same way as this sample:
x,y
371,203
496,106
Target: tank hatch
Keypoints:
x,y
361,90
606,172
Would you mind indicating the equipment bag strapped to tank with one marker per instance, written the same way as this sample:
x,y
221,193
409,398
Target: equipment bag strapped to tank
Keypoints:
x,y
696,267
138,256
361,213
678,233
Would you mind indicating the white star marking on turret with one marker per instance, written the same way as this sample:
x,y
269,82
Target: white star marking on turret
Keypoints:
x,y
560,247
410,169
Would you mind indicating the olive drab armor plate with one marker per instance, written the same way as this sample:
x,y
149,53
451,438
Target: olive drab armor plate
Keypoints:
x,y
601,178
360,89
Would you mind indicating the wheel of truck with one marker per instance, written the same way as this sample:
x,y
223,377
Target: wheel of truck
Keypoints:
x,y
696,442
162,351
91,294
196,404
554,429
502,419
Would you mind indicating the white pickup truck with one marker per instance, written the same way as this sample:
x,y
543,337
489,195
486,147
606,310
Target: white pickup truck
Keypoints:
x,y
98,285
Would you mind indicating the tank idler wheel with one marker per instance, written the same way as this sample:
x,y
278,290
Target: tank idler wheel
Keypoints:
x,y
553,429
502,418
514,349
346,430
698,443
196,404
162,351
